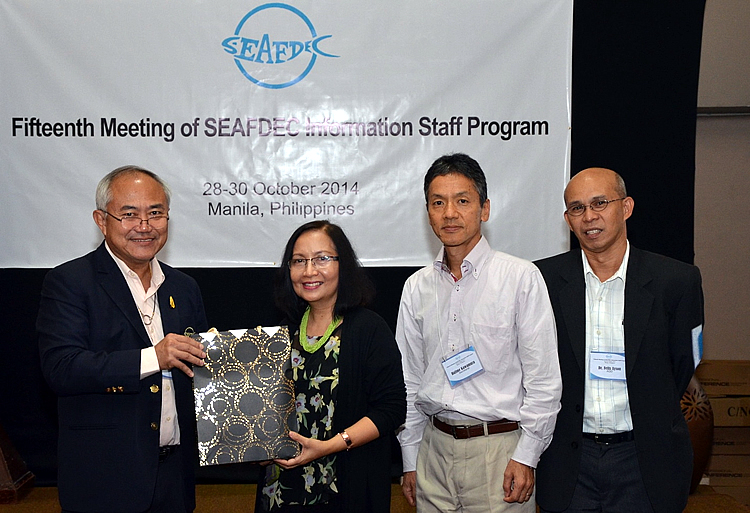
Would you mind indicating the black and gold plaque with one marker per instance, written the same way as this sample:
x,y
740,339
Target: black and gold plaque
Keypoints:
x,y
244,399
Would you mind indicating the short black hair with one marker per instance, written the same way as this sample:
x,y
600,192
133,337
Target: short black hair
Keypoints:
x,y
457,163
355,287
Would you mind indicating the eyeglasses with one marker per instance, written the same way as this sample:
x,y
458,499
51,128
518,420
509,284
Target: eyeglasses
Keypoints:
x,y
130,220
319,262
596,206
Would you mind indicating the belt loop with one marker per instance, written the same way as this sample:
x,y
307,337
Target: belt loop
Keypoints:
x,y
484,426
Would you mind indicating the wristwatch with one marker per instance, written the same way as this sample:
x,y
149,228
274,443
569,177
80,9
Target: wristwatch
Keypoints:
x,y
347,439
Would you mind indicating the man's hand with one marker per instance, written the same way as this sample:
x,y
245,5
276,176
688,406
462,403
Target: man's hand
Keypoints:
x,y
174,350
409,487
518,482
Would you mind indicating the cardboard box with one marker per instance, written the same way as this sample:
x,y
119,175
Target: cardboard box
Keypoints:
x,y
741,493
724,377
731,411
728,470
731,440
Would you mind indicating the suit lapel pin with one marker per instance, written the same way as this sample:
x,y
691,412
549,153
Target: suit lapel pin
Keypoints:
x,y
171,301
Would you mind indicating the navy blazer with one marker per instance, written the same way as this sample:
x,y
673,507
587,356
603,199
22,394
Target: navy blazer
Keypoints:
x,y
663,304
90,341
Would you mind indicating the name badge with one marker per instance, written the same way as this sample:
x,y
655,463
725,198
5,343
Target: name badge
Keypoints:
x,y
462,366
697,334
607,366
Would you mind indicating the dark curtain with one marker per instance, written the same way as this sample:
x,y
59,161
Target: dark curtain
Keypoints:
x,y
635,90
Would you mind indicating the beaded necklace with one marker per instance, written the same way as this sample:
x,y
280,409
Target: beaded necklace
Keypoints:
x,y
307,346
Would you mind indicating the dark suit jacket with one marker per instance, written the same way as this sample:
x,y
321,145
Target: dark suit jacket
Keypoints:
x,y
663,303
90,341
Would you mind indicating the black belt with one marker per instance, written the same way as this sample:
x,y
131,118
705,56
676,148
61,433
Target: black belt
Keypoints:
x,y
614,438
462,432
165,451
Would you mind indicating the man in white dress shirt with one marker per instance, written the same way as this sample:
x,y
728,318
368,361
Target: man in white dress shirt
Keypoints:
x,y
477,335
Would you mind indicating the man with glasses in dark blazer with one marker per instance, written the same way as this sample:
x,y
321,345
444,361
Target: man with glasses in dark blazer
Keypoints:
x,y
110,337
629,331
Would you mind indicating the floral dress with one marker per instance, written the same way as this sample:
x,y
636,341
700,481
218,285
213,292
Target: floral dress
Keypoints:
x,y
316,376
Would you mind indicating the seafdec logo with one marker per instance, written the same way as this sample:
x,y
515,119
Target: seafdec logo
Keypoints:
x,y
276,45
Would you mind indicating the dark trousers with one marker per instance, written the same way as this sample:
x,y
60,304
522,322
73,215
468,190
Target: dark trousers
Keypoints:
x,y
609,480
169,493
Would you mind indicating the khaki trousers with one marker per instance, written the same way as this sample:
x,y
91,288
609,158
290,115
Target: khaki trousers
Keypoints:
x,y
465,475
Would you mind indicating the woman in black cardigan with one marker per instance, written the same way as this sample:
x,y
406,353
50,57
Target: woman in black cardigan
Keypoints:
x,y
348,379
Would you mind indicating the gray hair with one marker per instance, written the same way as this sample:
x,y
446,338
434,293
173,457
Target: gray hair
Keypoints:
x,y
104,189
620,186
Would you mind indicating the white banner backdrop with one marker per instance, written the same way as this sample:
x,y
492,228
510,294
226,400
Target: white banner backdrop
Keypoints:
x,y
264,116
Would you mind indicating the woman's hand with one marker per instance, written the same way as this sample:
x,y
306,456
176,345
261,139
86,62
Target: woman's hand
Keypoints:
x,y
362,432
311,450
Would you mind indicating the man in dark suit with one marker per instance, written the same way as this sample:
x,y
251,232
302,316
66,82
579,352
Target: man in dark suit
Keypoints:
x,y
629,330
110,326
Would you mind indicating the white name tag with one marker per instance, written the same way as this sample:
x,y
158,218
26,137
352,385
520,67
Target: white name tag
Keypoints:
x,y
607,366
462,366
697,334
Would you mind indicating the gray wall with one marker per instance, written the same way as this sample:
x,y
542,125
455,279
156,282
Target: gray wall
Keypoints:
x,y
722,179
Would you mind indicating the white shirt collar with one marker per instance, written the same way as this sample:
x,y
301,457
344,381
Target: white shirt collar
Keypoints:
x,y
472,263
157,275
621,271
